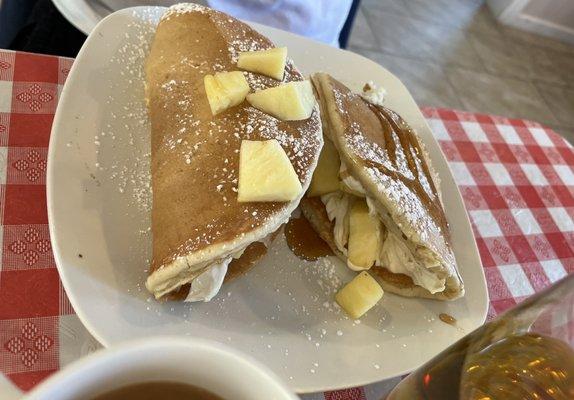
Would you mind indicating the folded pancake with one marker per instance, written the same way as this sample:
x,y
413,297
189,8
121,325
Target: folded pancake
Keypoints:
x,y
384,164
201,233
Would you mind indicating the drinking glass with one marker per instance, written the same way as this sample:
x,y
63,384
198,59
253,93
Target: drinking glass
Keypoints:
x,y
527,353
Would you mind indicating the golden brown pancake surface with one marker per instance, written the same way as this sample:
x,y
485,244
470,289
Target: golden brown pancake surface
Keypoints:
x,y
195,156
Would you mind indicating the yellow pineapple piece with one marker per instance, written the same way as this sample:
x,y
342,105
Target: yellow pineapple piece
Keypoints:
x,y
267,62
291,101
265,173
225,90
360,295
364,237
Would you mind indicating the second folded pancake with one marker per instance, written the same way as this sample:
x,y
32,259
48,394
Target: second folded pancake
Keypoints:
x,y
377,200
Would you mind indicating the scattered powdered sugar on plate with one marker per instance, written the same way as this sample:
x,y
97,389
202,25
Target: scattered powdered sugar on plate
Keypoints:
x,y
328,279
124,136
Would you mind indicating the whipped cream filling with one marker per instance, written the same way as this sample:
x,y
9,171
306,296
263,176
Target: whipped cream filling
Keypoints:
x,y
394,255
206,278
179,273
208,283
350,182
337,206
397,257
374,94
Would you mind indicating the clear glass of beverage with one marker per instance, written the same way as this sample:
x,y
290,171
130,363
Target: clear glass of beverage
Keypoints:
x,y
527,353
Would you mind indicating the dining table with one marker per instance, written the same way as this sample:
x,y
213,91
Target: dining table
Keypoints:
x,y
516,178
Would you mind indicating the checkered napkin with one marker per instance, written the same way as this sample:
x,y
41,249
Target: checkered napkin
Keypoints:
x,y
516,177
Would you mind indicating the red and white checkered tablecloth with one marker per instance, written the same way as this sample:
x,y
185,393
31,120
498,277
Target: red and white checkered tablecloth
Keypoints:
x,y
516,177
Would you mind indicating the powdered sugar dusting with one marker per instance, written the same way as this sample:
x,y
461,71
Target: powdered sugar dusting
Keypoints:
x,y
423,178
327,277
371,151
340,99
239,45
125,126
408,205
367,150
184,8
207,146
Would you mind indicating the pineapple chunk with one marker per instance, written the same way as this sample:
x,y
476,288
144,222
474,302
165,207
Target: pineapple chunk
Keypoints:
x,y
364,237
265,173
326,176
292,101
360,295
267,62
225,90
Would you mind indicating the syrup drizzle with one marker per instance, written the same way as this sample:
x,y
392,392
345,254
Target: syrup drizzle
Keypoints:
x,y
304,242
447,318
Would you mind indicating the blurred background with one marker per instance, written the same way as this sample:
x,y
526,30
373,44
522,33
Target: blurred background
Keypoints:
x,y
506,57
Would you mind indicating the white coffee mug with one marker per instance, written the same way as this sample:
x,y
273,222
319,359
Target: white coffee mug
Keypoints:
x,y
209,365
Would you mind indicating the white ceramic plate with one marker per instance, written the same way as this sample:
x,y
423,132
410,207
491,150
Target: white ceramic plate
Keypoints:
x,y
282,312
